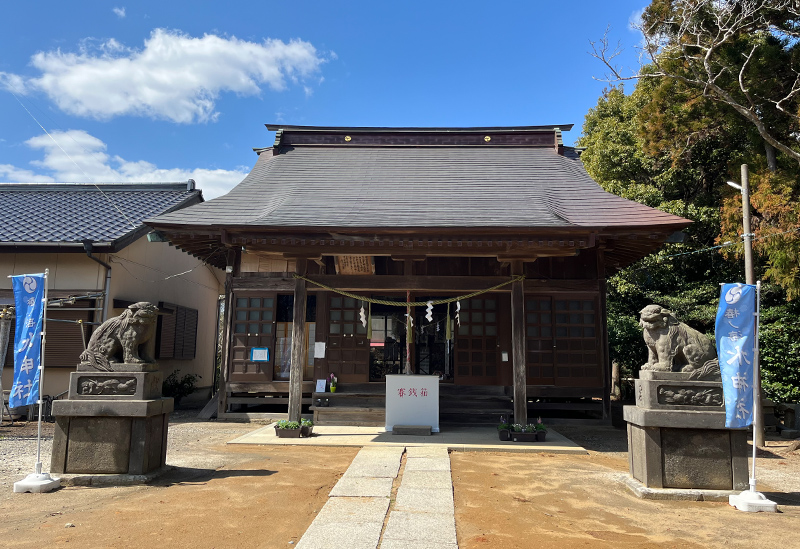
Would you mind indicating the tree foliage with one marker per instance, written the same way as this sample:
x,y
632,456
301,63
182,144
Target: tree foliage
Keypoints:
x,y
636,154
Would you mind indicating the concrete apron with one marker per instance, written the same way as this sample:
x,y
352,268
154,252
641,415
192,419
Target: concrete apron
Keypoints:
x,y
355,515
454,438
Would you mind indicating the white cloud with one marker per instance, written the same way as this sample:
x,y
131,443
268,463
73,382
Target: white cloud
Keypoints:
x,y
120,12
86,161
174,76
635,20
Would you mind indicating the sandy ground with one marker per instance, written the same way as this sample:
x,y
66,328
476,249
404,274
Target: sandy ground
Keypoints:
x,y
539,500
217,496
248,496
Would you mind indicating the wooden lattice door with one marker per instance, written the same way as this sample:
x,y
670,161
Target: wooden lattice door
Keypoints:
x,y
253,326
562,341
477,355
348,347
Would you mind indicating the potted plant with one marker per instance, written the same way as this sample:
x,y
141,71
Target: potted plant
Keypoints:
x,y
541,430
504,429
306,427
332,383
287,429
523,433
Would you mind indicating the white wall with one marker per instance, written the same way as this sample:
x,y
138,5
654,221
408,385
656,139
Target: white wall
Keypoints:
x,y
140,272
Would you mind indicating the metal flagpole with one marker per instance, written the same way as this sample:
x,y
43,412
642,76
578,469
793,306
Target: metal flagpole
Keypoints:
x,y
38,481
41,377
751,500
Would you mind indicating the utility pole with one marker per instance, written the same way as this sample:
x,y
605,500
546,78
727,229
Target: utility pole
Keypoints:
x,y
750,279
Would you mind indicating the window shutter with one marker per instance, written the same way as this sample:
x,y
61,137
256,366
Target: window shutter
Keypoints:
x,y
165,344
180,330
190,334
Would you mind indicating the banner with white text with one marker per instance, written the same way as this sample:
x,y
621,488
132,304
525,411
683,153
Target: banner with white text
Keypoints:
x,y
735,333
29,301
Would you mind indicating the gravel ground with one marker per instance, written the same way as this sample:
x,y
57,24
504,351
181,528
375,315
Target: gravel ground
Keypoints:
x,y
192,444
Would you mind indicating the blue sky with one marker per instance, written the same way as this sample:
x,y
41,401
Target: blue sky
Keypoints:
x,y
164,91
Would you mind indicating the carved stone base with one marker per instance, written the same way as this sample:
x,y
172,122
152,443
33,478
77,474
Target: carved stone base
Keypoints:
x,y
685,449
121,367
114,385
110,436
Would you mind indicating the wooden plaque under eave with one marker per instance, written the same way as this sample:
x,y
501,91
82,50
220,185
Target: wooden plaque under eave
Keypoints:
x,y
355,265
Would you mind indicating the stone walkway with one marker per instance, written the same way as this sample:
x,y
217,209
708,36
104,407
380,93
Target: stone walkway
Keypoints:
x,y
420,517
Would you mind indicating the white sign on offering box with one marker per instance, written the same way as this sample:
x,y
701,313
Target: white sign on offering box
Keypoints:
x,y
412,400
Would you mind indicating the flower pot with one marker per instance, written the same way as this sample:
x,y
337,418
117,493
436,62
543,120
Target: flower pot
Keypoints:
x,y
288,433
523,437
540,436
505,434
306,430
333,389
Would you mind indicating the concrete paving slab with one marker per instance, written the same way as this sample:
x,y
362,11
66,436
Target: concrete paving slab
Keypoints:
x,y
425,451
422,500
372,462
338,535
405,544
428,464
428,527
353,511
471,438
427,479
351,486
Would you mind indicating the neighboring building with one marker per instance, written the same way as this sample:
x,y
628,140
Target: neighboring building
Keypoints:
x,y
92,240
419,214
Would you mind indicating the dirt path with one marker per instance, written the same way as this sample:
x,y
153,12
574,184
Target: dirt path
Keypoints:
x,y
249,496
508,501
218,496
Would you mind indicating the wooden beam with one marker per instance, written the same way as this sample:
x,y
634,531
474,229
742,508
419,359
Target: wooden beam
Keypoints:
x,y
298,344
366,283
518,345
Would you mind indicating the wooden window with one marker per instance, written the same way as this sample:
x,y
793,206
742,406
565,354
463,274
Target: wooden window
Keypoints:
x,y
176,333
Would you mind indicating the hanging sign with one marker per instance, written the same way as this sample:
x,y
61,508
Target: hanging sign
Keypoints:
x,y
259,354
29,301
735,334
355,265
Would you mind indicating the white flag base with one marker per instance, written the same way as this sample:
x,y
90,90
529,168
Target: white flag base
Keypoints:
x,y
37,482
753,502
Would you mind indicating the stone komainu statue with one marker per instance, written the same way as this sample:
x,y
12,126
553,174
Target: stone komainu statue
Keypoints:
x,y
673,346
123,338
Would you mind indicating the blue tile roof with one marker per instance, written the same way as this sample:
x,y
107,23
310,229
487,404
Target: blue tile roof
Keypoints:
x,y
59,213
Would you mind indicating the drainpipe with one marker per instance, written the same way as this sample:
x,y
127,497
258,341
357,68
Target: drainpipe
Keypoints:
x,y
87,245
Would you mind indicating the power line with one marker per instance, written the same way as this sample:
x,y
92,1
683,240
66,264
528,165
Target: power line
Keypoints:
x,y
133,226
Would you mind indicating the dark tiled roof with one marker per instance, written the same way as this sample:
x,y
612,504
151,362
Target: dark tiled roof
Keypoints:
x,y
397,187
70,213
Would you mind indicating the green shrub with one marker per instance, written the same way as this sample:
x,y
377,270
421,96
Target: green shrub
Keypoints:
x,y
779,345
178,388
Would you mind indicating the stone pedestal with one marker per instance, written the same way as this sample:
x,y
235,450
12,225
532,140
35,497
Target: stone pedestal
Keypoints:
x,y
112,422
677,436
94,436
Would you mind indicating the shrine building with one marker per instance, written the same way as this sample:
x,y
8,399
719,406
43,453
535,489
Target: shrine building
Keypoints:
x,y
336,230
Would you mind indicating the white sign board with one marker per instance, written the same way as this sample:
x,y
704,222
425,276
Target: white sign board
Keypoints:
x,y
321,385
412,400
319,349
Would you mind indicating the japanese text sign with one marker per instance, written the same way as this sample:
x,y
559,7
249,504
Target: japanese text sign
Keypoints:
x,y
735,333
29,301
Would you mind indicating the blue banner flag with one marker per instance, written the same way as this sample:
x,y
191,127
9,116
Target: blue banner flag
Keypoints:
x,y
29,301
736,333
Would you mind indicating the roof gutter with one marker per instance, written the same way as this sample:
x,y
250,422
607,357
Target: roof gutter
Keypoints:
x,y
87,245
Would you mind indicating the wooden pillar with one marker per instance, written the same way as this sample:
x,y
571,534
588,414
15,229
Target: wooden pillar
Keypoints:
x,y
518,346
298,344
227,333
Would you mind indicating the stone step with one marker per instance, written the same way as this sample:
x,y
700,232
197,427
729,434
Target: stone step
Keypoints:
x,y
415,430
